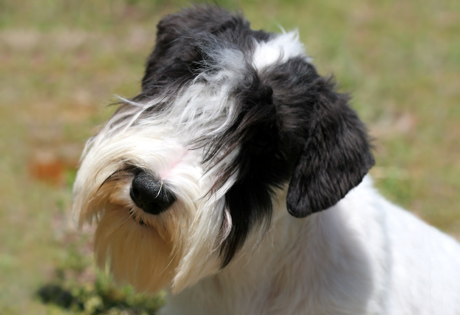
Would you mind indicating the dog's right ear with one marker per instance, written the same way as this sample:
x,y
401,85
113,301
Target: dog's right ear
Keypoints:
x,y
178,55
335,157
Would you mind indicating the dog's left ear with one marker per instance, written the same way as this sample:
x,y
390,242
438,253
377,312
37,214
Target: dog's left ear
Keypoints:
x,y
335,157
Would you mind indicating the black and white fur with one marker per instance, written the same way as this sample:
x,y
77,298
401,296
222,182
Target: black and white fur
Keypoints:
x,y
212,183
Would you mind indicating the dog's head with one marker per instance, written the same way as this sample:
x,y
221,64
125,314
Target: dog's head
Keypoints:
x,y
228,120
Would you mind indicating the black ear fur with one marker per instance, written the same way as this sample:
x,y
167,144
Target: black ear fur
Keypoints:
x,y
178,53
176,50
335,157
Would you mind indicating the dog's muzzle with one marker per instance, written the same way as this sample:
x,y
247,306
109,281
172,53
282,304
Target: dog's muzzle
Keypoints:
x,y
150,193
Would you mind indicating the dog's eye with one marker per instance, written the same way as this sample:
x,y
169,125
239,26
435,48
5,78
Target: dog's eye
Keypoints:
x,y
264,140
260,143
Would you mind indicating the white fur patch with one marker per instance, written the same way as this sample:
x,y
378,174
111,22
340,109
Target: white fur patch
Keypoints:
x,y
278,50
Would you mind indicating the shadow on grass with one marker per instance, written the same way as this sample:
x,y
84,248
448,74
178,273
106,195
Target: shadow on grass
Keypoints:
x,y
99,297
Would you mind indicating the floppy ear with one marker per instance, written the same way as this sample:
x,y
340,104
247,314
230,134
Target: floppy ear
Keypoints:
x,y
177,54
174,54
335,157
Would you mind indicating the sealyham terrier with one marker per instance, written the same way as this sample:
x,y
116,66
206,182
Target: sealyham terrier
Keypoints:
x,y
236,180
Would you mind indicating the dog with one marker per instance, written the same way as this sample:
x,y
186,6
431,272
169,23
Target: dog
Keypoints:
x,y
237,180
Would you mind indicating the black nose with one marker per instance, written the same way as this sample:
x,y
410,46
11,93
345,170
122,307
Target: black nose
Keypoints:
x,y
150,194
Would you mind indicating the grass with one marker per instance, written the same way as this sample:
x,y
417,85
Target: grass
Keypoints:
x,y
62,62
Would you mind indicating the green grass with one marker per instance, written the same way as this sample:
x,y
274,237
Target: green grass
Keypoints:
x,y
62,62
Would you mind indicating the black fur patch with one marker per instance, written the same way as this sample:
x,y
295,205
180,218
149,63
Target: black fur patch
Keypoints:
x,y
262,164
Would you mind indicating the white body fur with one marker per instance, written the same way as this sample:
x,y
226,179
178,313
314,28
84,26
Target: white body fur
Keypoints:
x,y
363,256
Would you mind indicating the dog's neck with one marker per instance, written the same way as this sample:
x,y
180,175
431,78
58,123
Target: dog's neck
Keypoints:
x,y
296,255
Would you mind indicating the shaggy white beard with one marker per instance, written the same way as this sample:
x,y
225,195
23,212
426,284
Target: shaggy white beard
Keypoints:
x,y
174,249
